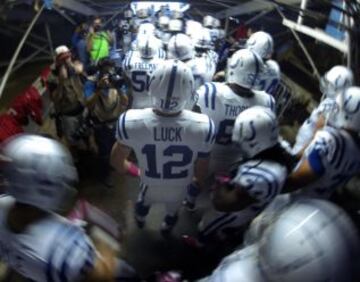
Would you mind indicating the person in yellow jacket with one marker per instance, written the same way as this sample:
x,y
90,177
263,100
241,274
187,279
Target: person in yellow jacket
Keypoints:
x,y
98,41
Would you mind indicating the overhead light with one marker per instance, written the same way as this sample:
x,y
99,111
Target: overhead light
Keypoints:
x,y
181,6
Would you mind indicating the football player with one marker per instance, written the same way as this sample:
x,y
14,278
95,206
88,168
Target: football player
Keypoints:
x,y
35,240
262,43
223,102
333,83
181,48
138,67
250,186
204,63
172,145
332,158
307,240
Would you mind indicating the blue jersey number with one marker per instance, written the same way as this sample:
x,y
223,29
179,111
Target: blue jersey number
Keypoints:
x,y
140,81
223,137
167,170
272,86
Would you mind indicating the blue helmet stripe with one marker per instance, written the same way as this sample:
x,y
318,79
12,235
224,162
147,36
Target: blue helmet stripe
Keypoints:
x,y
171,86
213,94
206,95
257,66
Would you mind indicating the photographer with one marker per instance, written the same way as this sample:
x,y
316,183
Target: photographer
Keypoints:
x,y
98,41
66,88
105,102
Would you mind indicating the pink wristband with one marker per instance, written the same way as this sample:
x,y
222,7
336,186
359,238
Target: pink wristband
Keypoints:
x,y
133,170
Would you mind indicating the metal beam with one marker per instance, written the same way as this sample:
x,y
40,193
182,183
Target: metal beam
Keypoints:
x,y
318,35
251,7
65,16
75,6
36,46
17,51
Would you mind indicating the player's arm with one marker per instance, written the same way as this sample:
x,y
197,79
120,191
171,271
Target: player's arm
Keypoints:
x,y
121,150
104,267
119,155
230,198
310,169
319,124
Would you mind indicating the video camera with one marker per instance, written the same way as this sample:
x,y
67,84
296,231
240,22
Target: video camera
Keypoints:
x,y
106,68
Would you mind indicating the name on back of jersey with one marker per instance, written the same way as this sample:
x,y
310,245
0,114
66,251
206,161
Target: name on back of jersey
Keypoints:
x,y
234,111
144,66
168,134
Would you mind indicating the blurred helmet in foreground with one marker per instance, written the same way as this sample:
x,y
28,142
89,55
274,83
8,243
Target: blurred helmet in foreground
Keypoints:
x,y
40,172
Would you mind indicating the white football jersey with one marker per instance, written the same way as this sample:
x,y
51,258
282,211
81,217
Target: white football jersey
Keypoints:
x,y
222,105
213,57
160,53
139,70
263,180
307,130
166,147
334,155
203,70
270,76
240,266
53,249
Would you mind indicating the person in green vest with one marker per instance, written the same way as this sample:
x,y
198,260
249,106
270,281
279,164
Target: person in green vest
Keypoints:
x,y
98,41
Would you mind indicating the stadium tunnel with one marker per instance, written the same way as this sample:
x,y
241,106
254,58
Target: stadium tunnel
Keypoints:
x,y
310,36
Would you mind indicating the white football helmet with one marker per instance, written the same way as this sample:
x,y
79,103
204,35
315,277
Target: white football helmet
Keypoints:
x,y
146,29
147,46
40,172
312,240
348,110
216,23
175,25
208,21
262,43
171,86
176,14
180,47
164,23
202,39
128,14
256,129
336,80
245,68
142,13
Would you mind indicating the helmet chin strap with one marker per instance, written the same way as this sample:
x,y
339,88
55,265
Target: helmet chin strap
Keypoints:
x,y
160,113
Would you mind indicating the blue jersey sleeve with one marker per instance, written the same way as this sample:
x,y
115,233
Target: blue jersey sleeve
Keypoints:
x,y
121,131
207,97
209,140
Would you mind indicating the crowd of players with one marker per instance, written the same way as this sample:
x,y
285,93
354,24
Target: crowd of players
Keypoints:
x,y
191,136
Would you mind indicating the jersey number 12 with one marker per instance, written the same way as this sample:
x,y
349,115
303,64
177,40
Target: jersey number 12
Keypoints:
x,y
167,172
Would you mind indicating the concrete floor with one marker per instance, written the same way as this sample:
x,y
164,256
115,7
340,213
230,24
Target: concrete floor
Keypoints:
x,y
146,249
